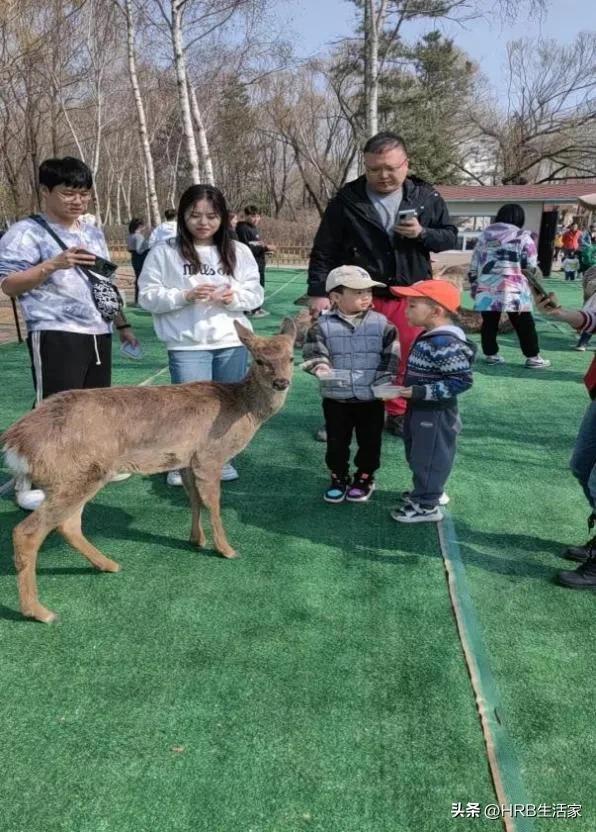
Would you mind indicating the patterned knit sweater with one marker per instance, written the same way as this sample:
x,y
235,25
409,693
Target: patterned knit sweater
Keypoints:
x,y
440,367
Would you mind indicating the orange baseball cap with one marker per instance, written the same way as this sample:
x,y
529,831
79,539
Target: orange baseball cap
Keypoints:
x,y
441,291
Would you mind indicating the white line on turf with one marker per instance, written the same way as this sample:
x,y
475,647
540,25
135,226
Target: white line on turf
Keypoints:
x,y
296,276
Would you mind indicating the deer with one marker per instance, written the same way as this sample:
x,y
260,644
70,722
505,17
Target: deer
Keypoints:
x,y
74,442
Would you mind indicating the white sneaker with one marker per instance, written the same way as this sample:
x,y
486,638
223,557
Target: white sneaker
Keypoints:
x,y
537,363
120,477
228,473
494,359
174,478
29,498
579,348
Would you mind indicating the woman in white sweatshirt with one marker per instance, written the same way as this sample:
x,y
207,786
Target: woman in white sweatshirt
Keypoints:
x,y
196,285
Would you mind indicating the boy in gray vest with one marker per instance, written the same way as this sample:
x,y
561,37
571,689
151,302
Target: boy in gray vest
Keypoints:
x,y
356,348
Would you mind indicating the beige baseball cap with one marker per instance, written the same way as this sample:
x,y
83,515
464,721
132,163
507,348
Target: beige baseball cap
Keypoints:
x,y
353,277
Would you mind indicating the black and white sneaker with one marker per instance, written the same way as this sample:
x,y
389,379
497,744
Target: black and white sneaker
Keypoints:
x,y
336,493
414,513
406,497
362,487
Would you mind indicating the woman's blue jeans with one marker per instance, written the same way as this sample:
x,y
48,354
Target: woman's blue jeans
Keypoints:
x,y
225,365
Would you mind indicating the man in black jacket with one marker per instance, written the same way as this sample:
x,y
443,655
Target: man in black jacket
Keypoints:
x,y
365,225
247,233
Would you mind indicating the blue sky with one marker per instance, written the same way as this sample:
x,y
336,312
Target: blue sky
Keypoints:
x,y
312,24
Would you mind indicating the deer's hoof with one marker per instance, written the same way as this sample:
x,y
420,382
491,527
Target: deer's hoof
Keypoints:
x,y
230,554
109,566
39,613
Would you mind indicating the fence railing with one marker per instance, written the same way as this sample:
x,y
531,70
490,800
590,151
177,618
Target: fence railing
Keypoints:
x,y
284,256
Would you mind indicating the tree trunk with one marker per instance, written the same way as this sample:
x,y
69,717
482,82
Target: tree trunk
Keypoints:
x,y
154,215
173,186
183,97
205,156
147,206
373,22
118,204
126,194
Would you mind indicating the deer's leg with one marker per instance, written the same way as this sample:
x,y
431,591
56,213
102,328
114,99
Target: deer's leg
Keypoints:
x,y
197,535
71,531
54,512
209,491
27,537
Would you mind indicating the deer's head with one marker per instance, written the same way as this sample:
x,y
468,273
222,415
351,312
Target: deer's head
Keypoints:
x,y
273,358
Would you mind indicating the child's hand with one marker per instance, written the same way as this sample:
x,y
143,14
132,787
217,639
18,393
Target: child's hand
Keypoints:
x,y
405,393
322,370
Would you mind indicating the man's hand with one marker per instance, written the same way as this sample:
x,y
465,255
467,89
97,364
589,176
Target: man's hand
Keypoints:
x,y
318,305
409,228
127,336
73,256
202,292
270,249
322,370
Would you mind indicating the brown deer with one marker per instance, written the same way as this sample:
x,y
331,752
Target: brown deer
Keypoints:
x,y
74,442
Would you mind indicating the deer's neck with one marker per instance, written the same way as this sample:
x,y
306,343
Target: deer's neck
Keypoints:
x,y
261,402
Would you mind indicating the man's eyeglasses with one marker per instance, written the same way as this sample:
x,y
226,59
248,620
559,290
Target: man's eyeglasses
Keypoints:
x,y
73,196
387,168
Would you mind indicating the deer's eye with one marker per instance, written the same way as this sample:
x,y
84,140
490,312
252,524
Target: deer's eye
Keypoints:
x,y
260,362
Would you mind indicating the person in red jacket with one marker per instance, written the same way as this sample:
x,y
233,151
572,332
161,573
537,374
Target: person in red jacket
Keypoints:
x,y
571,239
387,222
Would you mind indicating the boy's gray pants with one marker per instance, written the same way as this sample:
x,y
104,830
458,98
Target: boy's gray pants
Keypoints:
x,y
430,437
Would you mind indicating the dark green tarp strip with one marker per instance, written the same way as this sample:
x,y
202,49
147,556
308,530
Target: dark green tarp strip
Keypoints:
x,y
503,763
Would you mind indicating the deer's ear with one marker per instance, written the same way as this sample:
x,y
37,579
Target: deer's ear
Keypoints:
x,y
288,327
245,335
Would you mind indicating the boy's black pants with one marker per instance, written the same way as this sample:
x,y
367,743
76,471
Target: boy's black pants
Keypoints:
x,y
342,418
69,361
523,323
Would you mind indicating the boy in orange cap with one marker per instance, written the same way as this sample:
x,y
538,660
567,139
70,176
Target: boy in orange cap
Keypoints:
x,y
439,369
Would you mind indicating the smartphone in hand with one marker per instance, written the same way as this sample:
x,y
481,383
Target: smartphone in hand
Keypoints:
x,y
406,214
100,265
537,287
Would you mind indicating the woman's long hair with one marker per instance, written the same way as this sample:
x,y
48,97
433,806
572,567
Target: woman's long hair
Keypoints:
x,y
186,242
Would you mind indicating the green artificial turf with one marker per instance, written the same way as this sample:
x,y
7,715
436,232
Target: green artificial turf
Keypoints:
x,y
317,682
516,506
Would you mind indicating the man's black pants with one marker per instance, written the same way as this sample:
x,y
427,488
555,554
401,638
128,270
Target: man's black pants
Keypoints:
x,y
341,420
523,323
69,361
